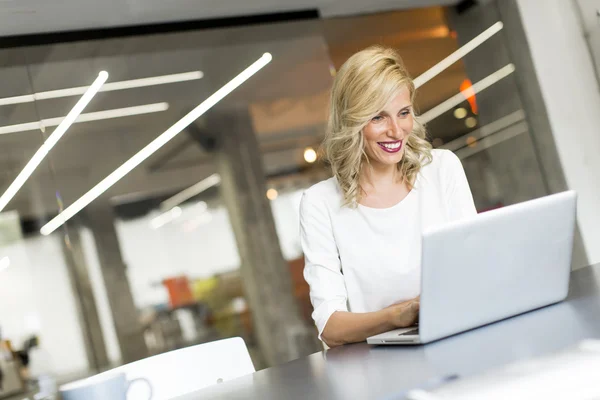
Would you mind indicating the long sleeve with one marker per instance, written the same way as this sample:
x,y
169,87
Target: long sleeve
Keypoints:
x,y
322,270
459,200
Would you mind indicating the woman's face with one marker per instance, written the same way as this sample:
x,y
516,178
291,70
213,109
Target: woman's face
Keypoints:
x,y
385,135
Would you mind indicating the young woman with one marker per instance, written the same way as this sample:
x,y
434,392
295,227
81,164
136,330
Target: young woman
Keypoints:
x,y
361,229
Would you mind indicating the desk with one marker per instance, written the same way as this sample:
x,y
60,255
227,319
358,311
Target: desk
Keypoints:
x,y
360,371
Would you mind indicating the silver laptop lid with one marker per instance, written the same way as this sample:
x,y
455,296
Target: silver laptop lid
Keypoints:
x,y
496,265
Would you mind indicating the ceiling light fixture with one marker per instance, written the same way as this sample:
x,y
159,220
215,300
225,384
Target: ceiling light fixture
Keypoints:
x,y
190,192
49,143
471,122
460,97
310,155
165,218
109,87
87,117
458,54
272,194
153,146
460,112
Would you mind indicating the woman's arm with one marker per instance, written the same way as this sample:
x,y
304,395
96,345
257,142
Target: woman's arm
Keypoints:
x,y
347,327
328,294
322,269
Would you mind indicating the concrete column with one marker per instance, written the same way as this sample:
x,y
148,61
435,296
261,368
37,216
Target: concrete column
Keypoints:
x,y
526,166
282,335
86,304
101,220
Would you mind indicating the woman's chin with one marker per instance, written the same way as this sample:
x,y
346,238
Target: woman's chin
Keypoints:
x,y
388,162
391,159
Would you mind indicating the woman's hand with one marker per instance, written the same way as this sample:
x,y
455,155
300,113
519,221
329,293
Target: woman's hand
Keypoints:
x,y
348,327
405,314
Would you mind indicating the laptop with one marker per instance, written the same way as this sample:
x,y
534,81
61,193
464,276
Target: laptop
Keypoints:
x,y
492,266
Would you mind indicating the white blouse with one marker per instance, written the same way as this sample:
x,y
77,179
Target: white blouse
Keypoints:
x,y
365,259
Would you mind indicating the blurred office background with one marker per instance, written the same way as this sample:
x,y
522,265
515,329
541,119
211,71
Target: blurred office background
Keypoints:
x,y
200,241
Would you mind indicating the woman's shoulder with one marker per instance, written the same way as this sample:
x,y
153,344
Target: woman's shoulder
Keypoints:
x,y
442,159
323,193
443,156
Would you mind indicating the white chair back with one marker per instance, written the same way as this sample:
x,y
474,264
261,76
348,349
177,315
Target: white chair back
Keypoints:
x,y
189,369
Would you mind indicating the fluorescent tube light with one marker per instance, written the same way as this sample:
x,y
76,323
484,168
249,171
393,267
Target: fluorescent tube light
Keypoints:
x,y
49,143
458,54
109,87
190,192
153,146
460,97
87,117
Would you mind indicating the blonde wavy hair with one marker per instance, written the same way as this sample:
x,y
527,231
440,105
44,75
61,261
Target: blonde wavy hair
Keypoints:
x,y
362,87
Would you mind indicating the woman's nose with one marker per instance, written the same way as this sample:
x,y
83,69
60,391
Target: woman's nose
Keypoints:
x,y
393,127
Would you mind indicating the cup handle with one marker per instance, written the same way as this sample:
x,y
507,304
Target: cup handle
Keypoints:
x,y
146,381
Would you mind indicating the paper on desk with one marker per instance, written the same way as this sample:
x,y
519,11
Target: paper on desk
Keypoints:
x,y
572,374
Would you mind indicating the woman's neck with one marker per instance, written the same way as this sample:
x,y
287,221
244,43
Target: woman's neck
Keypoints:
x,y
382,187
379,177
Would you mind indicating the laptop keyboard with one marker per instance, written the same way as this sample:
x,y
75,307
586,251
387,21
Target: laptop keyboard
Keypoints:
x,y
410,333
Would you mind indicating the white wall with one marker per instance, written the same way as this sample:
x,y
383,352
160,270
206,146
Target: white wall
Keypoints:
x,y
36,298
569,87
152,255
197,244
286,212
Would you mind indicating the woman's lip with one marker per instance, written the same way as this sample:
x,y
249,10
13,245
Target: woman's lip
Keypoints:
x,y
390,150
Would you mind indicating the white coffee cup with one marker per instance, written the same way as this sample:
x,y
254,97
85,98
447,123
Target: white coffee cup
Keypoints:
x,y
102,387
